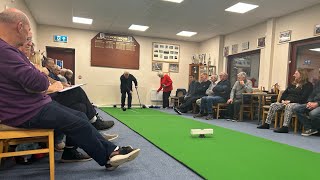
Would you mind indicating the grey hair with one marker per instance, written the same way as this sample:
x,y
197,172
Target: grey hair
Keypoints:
x,y
224,73
126,72
242,74
160,73
46,61
215,75
12,16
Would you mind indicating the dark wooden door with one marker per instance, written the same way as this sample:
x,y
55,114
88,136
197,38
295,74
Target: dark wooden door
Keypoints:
x,y
67,55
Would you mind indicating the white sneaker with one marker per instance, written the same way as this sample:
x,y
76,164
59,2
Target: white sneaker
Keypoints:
x,y
110,137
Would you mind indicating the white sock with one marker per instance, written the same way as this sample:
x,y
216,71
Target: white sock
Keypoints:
x,y
93,120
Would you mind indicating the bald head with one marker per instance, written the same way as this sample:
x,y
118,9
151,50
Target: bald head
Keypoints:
x,y
14,27
11,16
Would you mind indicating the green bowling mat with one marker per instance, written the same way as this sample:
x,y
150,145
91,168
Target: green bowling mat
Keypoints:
x,y
227,154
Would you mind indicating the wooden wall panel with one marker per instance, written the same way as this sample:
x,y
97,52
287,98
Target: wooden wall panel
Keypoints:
x,y
115,51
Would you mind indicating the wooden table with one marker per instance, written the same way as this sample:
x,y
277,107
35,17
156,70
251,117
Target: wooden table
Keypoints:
x,y
260,95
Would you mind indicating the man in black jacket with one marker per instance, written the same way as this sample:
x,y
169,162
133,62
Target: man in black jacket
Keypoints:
x,y
221,95
312,108
199,93
126,88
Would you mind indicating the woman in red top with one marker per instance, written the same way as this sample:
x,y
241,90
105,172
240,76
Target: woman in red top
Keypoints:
x,y
166,85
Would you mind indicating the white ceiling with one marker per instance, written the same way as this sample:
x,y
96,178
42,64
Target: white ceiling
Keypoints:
x,y
207,17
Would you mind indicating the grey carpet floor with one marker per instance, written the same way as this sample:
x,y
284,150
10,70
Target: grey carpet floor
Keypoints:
x,y
152,163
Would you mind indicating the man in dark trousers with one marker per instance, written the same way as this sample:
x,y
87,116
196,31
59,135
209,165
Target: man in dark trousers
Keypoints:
x,y
199,93
126,88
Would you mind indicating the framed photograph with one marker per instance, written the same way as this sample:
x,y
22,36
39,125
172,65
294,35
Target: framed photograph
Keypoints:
x,y
174,67
261,42
285,36
59,63
245,46
157,66
317,30
165,52
235,49
226,51
211,70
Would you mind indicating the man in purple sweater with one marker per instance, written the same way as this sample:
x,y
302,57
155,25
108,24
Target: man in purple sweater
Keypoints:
x,y
24,104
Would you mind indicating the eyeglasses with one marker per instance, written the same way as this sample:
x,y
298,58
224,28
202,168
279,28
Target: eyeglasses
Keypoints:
x,y
29,39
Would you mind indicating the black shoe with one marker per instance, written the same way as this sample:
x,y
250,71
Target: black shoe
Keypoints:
x,y
235,119
72,155
129,107
264,126
199,115
121,156
102,125
209,117
177,110
284,129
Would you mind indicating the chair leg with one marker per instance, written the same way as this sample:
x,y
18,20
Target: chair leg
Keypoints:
x,y
241,113
51,155
276,120
1,149
295,124
281,120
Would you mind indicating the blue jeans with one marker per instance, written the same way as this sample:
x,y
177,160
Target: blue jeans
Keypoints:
x,y
77,128
208,101
314,115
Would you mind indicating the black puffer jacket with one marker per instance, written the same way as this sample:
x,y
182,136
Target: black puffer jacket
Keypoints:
x,y
297,94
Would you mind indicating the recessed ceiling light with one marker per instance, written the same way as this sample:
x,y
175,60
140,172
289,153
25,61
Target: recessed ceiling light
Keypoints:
x,y
241,7
186,33
315,49
81,20
138,27
175,1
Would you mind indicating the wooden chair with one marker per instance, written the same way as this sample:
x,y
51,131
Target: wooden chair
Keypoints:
x,y
175,100
294,122
220,107
13,136
265,110
247,108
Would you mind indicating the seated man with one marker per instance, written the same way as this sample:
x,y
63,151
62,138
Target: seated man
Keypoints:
x,y
311,108
200,92
76,99
221,94
209,91
193,83
242,85
34,109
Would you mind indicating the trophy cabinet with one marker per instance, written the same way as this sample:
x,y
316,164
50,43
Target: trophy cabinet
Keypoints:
x,y
197,69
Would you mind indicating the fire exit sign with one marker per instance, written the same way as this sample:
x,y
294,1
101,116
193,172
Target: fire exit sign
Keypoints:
x,y
60,38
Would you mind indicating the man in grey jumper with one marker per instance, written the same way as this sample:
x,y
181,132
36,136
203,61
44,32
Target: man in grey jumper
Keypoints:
x,y
242,85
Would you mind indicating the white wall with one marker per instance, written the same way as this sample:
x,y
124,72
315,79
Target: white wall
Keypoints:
x,y
274,58
302,25
20,4
103,84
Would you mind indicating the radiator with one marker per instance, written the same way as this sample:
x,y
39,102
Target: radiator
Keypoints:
x,y
155,97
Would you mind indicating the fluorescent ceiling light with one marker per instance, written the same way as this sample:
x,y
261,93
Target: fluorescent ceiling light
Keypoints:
x,y
315,49
175,1
186,33
241,7
138,27
81,20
